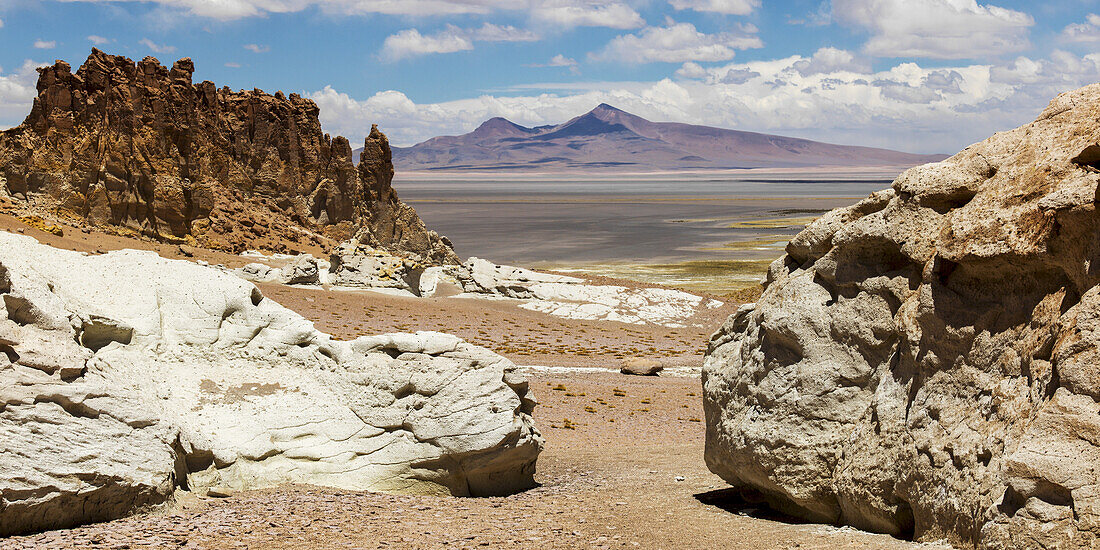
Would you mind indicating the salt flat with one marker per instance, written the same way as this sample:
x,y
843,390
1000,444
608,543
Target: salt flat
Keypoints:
x,y
705,231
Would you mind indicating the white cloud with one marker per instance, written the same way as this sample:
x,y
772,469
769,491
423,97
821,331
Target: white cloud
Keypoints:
x,y
560,61
410,43
582,13
677,43
156,48
45,44
17,93
1087,32
233,65
691,69
227,10
733,7
906,107
98,40
940,29
1,23
820,17
557,61
257,48
565,13
830,60
501,33
738,76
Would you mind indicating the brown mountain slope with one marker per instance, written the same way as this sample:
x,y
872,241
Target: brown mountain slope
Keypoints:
x,y
607,138
140,148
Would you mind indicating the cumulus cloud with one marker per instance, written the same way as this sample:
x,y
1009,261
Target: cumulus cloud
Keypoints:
x,y
733,7
559,61
569,14
45,44
1087,32
410,43
98,40
830,60
678,43
17,93
738,76
257,48
691,69
940,29
156,48
906,107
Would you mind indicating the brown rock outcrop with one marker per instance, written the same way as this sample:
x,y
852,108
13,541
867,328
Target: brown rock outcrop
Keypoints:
x,y
925,362
138,146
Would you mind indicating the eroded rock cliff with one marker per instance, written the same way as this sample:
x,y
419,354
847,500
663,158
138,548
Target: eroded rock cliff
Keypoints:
x,y
125,376
140,147
927,361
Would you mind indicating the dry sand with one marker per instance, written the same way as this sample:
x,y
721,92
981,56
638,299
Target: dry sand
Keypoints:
x,y
622,467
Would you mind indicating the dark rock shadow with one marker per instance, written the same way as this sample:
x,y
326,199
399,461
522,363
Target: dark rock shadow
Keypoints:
x,y
746,503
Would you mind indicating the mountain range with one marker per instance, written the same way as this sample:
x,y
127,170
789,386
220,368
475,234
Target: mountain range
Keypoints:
x,y
610,139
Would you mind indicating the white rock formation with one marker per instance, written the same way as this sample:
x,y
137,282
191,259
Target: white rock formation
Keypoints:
x,y
125,375
303,269
574,298
927,361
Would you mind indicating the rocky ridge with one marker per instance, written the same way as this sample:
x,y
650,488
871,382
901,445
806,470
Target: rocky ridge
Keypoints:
x,y
140,148
125,377
924,363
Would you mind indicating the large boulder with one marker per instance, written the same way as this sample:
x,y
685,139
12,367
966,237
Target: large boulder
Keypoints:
x,y
925,362
124,376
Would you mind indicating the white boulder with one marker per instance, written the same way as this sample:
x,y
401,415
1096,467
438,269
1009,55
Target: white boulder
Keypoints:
x,y
126,375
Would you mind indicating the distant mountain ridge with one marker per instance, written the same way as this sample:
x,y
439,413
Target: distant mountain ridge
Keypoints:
x,y
607,138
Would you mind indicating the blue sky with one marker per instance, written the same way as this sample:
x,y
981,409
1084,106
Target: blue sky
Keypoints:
x,y
917,75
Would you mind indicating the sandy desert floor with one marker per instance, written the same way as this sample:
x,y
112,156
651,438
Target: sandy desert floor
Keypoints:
x,y
622,467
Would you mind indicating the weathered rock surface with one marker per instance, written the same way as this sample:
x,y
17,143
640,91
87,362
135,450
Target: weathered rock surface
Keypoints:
x,y
925,361
574,298
142,148
124,376
357,264
641,366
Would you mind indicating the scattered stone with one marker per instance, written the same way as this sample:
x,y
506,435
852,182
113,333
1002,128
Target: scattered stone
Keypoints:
x,y
641,366
219,492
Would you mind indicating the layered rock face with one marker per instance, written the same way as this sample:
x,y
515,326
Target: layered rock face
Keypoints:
x,y
926,362
140,147
124,376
